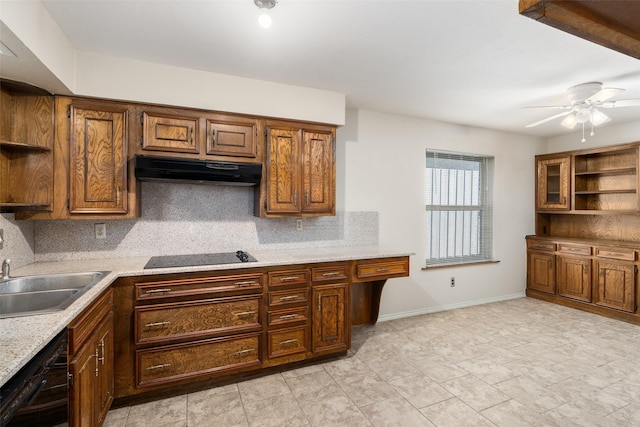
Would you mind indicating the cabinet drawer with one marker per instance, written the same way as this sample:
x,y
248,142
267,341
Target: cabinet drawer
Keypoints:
x,y
287,317
170,133
172,321
184,361
536,245
624,254
86,323
574,249
288,341
288,278
382,269
325,274
291,296
158,290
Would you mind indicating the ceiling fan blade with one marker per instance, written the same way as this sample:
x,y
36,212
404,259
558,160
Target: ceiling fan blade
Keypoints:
x,y
548,119
555,107
622,103
603,95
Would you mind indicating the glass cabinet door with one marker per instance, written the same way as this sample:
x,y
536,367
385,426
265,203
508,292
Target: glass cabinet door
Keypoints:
x,y
553,183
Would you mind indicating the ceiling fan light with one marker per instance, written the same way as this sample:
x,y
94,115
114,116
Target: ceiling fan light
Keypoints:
x,y
570,121
264,20
598,117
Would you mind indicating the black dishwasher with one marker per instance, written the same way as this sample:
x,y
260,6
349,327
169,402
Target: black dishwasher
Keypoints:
x,y
38,394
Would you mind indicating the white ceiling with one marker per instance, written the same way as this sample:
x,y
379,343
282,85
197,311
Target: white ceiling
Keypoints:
x,y
475,62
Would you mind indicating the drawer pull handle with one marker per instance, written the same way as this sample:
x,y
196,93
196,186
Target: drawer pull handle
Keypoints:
x,y
245,313
331,274
540,247
289,298
288,316
246,283
291,341
383,270
162,366
152,325
289,278
243,352
157,291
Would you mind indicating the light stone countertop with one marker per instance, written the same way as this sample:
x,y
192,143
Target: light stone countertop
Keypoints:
x,y
22,337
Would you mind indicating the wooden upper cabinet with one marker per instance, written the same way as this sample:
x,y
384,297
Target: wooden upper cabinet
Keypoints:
x,y
283,171
232,137
318,172
98,160
26,150
553,183
199,134
300,172
171,133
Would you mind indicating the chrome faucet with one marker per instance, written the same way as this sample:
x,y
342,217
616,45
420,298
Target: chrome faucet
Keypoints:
x,y
6,269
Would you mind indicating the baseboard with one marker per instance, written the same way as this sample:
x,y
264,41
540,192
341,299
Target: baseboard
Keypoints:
x,y
393,316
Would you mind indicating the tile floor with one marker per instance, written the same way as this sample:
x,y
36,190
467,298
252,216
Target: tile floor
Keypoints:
x,y
522,362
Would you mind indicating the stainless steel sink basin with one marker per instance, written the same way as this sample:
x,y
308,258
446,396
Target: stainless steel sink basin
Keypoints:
x,y
30,295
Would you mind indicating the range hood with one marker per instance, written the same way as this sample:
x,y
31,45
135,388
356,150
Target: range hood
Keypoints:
x,y
168,169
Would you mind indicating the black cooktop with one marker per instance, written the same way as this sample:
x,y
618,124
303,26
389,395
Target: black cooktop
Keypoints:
x,y
169,261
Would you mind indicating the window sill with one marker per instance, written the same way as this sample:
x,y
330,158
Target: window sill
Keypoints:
x,y
460,264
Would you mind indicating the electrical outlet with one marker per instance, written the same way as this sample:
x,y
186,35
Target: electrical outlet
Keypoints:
x,y
453,282
100,231
299,224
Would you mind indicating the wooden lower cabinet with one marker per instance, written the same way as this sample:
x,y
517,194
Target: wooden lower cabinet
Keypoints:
x,y
91,364
596,276
330,327
541,272
183,331
574,278
616,285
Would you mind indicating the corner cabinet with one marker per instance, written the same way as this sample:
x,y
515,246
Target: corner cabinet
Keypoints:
x,y
299,178
26,149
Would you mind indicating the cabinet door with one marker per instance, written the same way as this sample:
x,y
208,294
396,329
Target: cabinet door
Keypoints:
x,y
83,399
283,171
105,367
553,183
232,138
616,285
541,272
165,132
318,178
98,161
329,328
574,278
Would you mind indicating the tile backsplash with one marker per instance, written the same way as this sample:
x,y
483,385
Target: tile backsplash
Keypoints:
x,y
190,218
19,241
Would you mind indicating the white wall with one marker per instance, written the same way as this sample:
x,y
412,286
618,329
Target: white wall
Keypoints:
x,y
384,172
608,135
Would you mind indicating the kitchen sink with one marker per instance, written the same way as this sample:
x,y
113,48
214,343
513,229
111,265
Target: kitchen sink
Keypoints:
x,y
30,295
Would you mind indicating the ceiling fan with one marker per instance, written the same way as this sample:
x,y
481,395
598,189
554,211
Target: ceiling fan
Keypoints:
x,y
585,99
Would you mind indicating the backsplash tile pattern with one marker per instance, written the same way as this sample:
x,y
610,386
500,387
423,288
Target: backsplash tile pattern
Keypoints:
x,y
18,240
189,218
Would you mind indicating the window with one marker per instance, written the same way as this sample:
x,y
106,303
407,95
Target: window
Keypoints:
x,y
459,218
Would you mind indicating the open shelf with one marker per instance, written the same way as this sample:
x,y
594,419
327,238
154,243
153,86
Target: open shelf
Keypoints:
x,y
22,146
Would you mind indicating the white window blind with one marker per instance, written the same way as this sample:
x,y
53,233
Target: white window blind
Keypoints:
x,y
459,218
